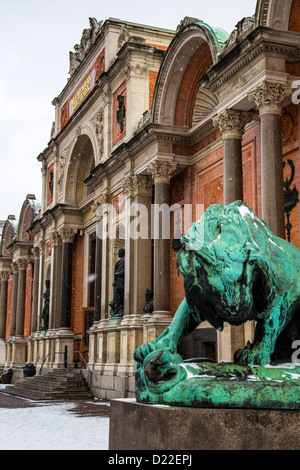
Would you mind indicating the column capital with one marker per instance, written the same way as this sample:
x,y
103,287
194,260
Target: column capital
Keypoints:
x,y
232,123
22,264
269,97
55,238
14,267
67,234
137,185
162,171
4,275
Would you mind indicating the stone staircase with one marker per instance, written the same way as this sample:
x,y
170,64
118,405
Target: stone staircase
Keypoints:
x,y
54,384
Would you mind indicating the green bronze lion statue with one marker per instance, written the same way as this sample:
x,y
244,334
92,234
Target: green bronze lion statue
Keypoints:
x,y
235,270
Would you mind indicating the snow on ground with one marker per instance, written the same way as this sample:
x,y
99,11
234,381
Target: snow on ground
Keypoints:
x,y
51,427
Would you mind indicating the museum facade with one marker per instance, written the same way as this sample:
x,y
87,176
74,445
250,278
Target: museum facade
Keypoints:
x,y
148,118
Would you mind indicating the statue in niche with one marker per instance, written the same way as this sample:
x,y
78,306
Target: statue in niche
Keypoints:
x,y
121,112
117,304
149,306
45,312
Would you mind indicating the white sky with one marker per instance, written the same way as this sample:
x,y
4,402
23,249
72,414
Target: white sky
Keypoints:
x,y
36,37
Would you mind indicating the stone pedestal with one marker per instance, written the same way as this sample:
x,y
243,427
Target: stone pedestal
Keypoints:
x,y
155,325
64,339
135,426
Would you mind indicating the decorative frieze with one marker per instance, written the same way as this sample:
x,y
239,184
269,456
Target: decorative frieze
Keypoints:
x,y
162,171
269,97
232,123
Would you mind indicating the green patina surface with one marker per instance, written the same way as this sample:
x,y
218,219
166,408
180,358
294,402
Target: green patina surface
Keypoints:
x,y
235,270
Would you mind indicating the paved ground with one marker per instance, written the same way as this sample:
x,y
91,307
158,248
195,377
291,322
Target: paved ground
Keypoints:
x,y
81,408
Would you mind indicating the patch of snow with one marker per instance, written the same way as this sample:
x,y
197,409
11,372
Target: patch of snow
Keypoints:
x,y
51,427
244,210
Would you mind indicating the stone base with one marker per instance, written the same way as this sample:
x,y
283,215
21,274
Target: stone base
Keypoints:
x,y
135,426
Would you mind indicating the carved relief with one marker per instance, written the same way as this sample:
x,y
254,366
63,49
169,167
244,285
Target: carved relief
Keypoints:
x,y
187,20
88,39
99,131
124,37
243,28
289,125
61,169
204,105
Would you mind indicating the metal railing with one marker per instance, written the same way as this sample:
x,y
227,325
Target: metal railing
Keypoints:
x,y
65,354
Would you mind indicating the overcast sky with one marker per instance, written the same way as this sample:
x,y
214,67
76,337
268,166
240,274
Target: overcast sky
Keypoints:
x,y
36,37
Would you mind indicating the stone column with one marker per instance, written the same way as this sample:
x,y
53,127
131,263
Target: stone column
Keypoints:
x,y
161,173
67,236
35,296
65,337
4,275
98,333
14,300
138,272
269,98
22,264
19,343
55,281
232,124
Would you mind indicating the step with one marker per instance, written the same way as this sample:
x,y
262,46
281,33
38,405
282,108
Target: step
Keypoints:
x,y
56,384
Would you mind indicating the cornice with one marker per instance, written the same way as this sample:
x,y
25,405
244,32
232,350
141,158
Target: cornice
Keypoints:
x,y
261,41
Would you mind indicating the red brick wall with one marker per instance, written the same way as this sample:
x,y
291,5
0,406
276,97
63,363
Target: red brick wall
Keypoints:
x,y
28,302
197,67
77,285
9,302
290,139
294,23
152,81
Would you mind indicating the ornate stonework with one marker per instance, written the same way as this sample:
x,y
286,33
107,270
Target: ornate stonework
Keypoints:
x,y
55,238
232,123
89,37
67,235
269,97
162,171
4,275
100,201
138,184
22,264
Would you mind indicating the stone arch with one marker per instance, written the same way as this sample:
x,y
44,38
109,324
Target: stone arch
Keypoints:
x,y
274,14
81,163
28,213
9,232
192,52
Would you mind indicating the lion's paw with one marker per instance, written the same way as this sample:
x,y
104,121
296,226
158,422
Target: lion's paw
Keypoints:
x,y
252,356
